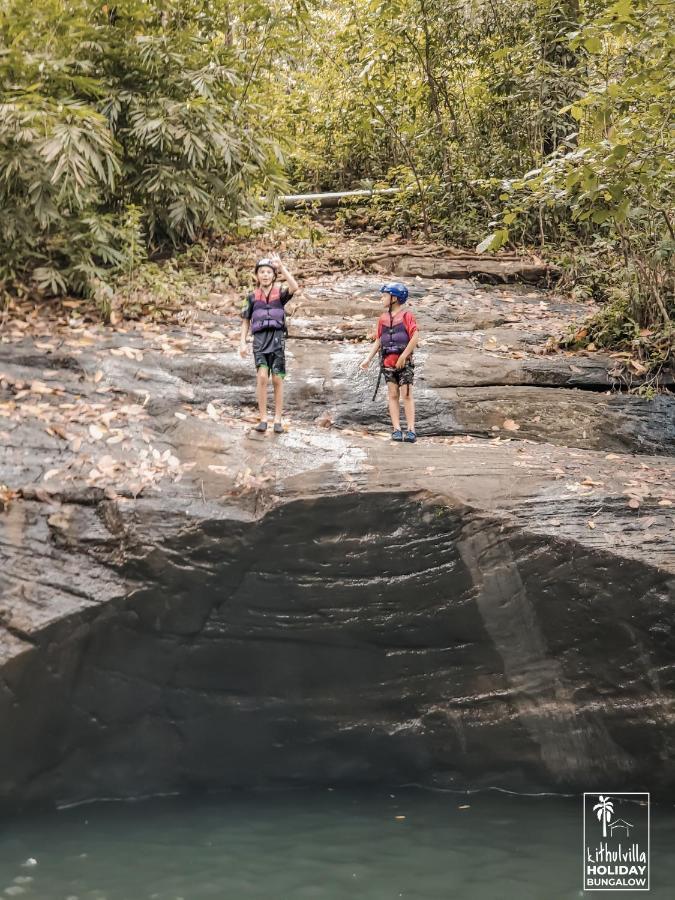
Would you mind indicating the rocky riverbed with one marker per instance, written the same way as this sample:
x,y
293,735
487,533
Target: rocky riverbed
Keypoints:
x,y
188,604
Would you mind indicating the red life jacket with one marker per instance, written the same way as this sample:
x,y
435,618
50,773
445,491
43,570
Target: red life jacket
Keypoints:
x,y
268,312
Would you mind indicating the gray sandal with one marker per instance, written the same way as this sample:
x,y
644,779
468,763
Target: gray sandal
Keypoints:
x,y
278,428
261,426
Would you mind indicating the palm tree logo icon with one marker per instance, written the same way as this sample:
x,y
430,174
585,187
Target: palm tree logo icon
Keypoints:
x,y
604,810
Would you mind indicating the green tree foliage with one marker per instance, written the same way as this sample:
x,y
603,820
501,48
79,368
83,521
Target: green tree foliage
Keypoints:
x,y
535,122
615,181
123,127
447,97
540,122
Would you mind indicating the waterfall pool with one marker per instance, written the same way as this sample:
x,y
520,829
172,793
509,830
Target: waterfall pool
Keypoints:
x,y
375,844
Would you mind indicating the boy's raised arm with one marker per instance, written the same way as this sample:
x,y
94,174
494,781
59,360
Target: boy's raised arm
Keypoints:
x,y
290,280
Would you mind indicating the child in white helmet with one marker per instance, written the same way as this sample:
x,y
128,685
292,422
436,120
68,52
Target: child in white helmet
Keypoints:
x,y
263,313
397,337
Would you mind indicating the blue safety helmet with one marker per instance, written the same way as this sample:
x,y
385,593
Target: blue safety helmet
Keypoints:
x,y
396,289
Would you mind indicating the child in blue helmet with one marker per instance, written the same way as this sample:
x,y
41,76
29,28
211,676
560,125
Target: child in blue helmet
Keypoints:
x,y
397,337
263,313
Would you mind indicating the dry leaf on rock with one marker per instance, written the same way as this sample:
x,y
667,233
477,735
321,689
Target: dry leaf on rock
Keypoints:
x,y
107,465
637,367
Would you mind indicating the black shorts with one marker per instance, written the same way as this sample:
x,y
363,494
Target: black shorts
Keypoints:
x,y
269,350
274,362
403,376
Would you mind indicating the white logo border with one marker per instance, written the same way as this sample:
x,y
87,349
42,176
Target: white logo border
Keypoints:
x,y
649,835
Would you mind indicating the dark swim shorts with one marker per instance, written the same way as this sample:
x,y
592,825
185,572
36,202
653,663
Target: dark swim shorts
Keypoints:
x,y
403,376
269,351
274,362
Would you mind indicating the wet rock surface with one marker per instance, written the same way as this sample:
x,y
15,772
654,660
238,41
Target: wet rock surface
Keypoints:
x,y
187,604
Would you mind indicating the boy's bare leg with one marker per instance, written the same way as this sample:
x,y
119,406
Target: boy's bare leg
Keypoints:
x,y
409,406
278,383
261,392
394,405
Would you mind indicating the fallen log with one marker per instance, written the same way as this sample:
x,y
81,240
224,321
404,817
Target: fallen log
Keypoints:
x,y
331,199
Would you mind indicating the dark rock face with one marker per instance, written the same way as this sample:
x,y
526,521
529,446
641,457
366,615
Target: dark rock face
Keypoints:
x,y
412,640
187,605
400,639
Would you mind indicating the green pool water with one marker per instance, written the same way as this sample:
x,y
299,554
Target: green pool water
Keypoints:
x,y
377,844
